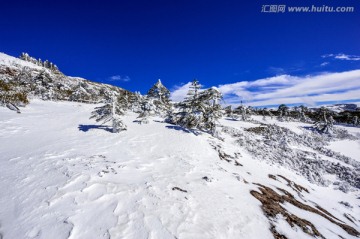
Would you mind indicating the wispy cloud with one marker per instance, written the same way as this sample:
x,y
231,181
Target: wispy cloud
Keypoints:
x,y
276,70
119,78
324,64
287,89
342,56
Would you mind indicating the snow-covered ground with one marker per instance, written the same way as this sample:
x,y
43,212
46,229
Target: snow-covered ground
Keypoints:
x,y
7,60
64,176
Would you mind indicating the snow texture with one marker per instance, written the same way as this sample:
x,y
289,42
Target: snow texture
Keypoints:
x,y
64,176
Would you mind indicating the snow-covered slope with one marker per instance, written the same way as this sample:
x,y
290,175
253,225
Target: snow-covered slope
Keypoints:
x,y
64,176
37,81
342,107
10,61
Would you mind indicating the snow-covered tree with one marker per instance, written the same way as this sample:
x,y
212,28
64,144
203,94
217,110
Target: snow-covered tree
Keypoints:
x,y
47,64
283,112
325,121
228,111
12,94
135,100
193,90
159,91
124,99
213,111
266,112
199,110
111,111
300,113
355,120
160,96
147,109
242,111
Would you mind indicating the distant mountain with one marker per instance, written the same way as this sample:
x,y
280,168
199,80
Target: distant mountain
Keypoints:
x,y
343,107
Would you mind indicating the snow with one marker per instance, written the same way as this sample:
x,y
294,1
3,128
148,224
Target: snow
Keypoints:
x,y
64,176
296,127
62,181
350,148
327,229
7,60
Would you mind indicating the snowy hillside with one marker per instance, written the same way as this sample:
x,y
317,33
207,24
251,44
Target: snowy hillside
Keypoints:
x,y
27,78
65,176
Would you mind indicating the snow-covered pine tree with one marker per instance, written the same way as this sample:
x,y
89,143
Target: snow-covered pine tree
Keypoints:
x,y
111,111
159,91
199,110
135,102
212,112
79,93
160,97
147,109
283,112
241,111
123,100
193,90
302,111
189,114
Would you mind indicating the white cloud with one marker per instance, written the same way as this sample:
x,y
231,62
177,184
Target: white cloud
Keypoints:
x,y
179,93
119,78
286,89
324,63
342,56
297,90
347,57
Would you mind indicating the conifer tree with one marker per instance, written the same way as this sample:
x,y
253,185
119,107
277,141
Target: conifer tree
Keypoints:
x,y
212,112
283,112
111,111
199,110
135,102
159,91
147,109
160,96
242,111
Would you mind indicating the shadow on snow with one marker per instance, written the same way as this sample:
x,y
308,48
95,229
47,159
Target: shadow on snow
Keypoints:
x,y
179,128
86,128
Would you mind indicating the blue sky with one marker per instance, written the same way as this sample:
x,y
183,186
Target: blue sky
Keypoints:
x,y
222,43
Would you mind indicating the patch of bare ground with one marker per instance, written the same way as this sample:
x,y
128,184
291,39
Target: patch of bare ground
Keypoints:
x,y
271,205
296,187
224,156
